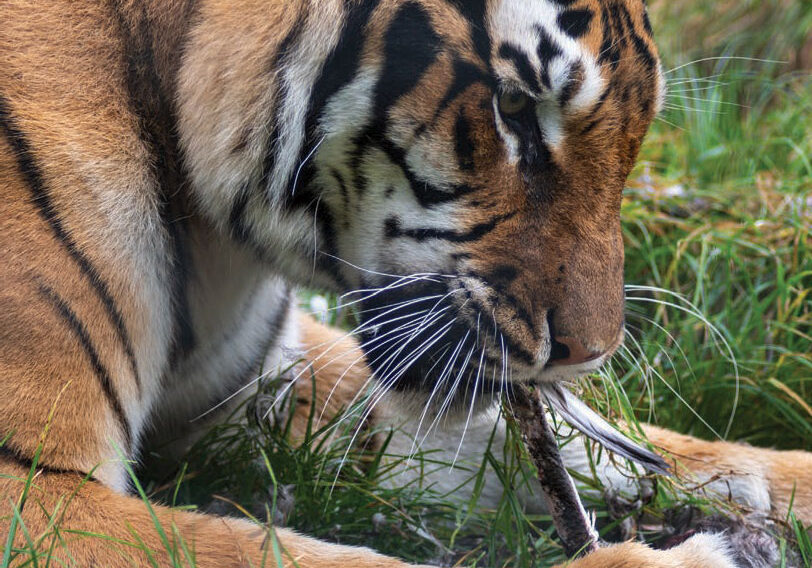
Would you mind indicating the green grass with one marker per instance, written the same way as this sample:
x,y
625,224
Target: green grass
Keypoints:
x,y
719,212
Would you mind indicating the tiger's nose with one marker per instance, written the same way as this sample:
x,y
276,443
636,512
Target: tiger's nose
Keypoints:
x,y
569,351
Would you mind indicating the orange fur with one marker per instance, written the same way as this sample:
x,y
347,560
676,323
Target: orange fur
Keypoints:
x,y
785,475
102,139
98,527
334,368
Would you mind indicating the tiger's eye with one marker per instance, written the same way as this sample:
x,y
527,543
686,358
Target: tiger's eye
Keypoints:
x,y
512,102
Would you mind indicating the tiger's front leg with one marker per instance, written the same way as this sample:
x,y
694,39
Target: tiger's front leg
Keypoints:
x,y
701,551
77,514
761,480
73,522
332,366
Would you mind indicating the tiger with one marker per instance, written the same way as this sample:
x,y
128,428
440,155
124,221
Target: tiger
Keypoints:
x,y
174,171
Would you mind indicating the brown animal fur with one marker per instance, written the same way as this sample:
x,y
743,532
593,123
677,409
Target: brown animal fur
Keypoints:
x,y
86,116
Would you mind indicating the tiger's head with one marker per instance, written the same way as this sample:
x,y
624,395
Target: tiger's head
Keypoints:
x,y
458,163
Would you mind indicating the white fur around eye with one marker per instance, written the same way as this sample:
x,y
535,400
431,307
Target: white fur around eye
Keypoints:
x,y
550,122
511,140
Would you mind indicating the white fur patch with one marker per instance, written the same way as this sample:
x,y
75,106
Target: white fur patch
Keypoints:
x,y
510,139
517,22
748,489
662,88
704,550
551,123
463,443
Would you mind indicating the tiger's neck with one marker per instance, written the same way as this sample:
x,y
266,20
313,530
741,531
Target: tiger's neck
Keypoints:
x,y
244,95
155,31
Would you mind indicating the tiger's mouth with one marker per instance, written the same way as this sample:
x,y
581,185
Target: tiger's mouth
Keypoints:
x,y
421,339
436,339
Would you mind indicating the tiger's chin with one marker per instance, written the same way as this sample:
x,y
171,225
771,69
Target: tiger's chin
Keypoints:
x,y
431,390
450,392
447,356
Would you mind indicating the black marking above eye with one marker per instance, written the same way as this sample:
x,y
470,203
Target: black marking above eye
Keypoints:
x,y
522,64
463,145
476,14
547,50
575,23
410,47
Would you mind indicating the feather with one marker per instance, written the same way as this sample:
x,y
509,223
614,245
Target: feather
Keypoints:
x,y
578,415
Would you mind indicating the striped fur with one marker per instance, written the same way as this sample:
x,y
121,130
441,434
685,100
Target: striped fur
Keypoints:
x,y
172,170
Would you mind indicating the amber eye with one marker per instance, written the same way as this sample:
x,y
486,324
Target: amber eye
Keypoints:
x,y
512,102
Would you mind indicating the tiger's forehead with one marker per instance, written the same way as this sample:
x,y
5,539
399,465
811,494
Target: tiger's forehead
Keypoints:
x,y
541,47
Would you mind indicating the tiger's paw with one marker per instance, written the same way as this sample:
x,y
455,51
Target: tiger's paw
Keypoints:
x,y
753,540
704,550
700,551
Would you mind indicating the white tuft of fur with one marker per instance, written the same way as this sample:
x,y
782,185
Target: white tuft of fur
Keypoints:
x,y
704,551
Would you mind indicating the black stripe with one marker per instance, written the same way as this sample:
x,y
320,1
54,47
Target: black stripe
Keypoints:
x,y
518,309
9,453
475,12
575,23
639,44
41,199
465,74
338,70
590,127
154,112
102,374
610,51
463,145
411,46
593,119
647,23
343,63
500,279
427,194
515,349
620,40
574,81
394,230
184,339
546,50
522,64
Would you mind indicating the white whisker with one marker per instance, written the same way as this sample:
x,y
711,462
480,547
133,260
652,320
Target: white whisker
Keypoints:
x,y
724,58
